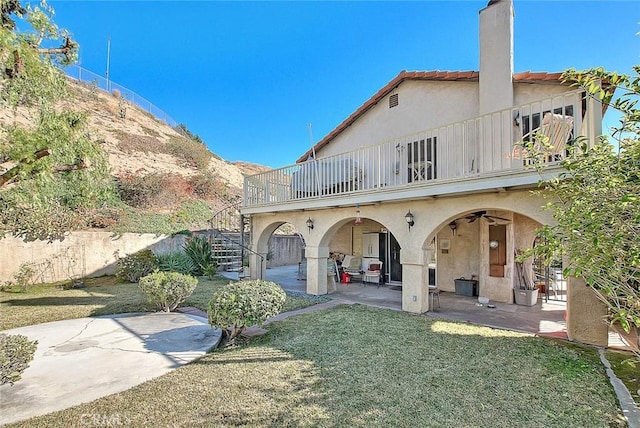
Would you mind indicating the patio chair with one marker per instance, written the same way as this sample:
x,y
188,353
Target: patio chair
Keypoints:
x,y
353,266
549,140
373,272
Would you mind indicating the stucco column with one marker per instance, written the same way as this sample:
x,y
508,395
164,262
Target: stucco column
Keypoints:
x,y
316,269
585,314
258,265
415,288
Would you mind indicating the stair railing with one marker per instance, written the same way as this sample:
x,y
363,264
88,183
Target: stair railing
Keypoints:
x,y
229,220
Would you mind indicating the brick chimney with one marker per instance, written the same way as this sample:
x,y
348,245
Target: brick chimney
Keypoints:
x,y
496,56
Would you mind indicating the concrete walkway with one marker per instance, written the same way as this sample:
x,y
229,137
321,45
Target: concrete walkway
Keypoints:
x,y
80,360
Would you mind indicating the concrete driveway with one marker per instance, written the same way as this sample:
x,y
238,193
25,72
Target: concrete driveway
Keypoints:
x,y
80,360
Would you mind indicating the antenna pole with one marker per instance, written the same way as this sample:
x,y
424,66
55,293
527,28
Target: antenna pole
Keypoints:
x,y
108,60
313,147
315,165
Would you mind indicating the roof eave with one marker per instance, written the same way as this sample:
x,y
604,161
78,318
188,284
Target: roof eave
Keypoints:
x,y
527,76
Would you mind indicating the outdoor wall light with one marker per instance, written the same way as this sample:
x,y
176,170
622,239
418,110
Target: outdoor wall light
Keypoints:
x,y
310,224
453,226
358,221
409,218
493,244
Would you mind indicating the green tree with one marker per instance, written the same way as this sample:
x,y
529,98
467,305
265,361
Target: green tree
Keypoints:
x,y
596,202
52,170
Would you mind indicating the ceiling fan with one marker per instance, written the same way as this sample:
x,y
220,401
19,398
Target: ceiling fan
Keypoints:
x,y
490,218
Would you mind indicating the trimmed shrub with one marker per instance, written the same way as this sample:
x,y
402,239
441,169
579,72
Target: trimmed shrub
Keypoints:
x,y
175,261
16,352
134,266
239,305
167,289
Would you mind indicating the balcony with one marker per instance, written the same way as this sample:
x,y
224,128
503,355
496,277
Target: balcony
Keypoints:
x,y
475,155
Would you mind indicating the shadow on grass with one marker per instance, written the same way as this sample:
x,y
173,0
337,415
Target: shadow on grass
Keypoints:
x,y
60,301
52,303
101,296
252,355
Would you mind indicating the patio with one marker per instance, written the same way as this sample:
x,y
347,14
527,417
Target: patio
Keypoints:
x,y
544,318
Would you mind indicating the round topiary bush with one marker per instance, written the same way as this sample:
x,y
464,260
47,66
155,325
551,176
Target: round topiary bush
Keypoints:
x,y
239,305
168,289
134,266
16,352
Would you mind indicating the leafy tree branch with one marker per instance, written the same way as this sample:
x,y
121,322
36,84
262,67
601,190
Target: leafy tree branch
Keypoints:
x,y
596,202
52,171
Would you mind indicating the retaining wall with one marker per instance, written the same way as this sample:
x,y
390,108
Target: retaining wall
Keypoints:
x,y
79,254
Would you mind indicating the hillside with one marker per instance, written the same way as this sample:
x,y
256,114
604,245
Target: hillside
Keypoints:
x,y
137,142
167,179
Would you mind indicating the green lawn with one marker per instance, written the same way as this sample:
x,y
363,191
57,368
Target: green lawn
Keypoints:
x,y
355,366
102,296
626,367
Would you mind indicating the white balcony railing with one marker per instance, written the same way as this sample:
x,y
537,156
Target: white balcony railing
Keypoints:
x,y
483,146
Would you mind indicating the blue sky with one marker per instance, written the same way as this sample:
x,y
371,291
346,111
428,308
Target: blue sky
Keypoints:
x,y
249,77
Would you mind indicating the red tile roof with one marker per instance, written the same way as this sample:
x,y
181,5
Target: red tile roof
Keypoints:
x,y
527,76
436,75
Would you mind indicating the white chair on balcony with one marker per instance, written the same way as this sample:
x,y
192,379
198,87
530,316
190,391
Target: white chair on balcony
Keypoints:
x,y
549,140
418,170
373,272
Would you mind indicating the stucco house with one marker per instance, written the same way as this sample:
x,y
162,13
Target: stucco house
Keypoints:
x,y
427,176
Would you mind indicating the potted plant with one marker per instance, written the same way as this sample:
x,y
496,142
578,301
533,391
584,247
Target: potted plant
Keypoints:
x,y
525,291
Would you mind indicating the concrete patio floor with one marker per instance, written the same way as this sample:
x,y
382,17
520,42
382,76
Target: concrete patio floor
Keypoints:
x,y
545,318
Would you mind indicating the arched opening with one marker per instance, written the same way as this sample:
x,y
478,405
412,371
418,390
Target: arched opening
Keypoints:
x,y
474,252
285,246
364,256
278,250
306,253
361,242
